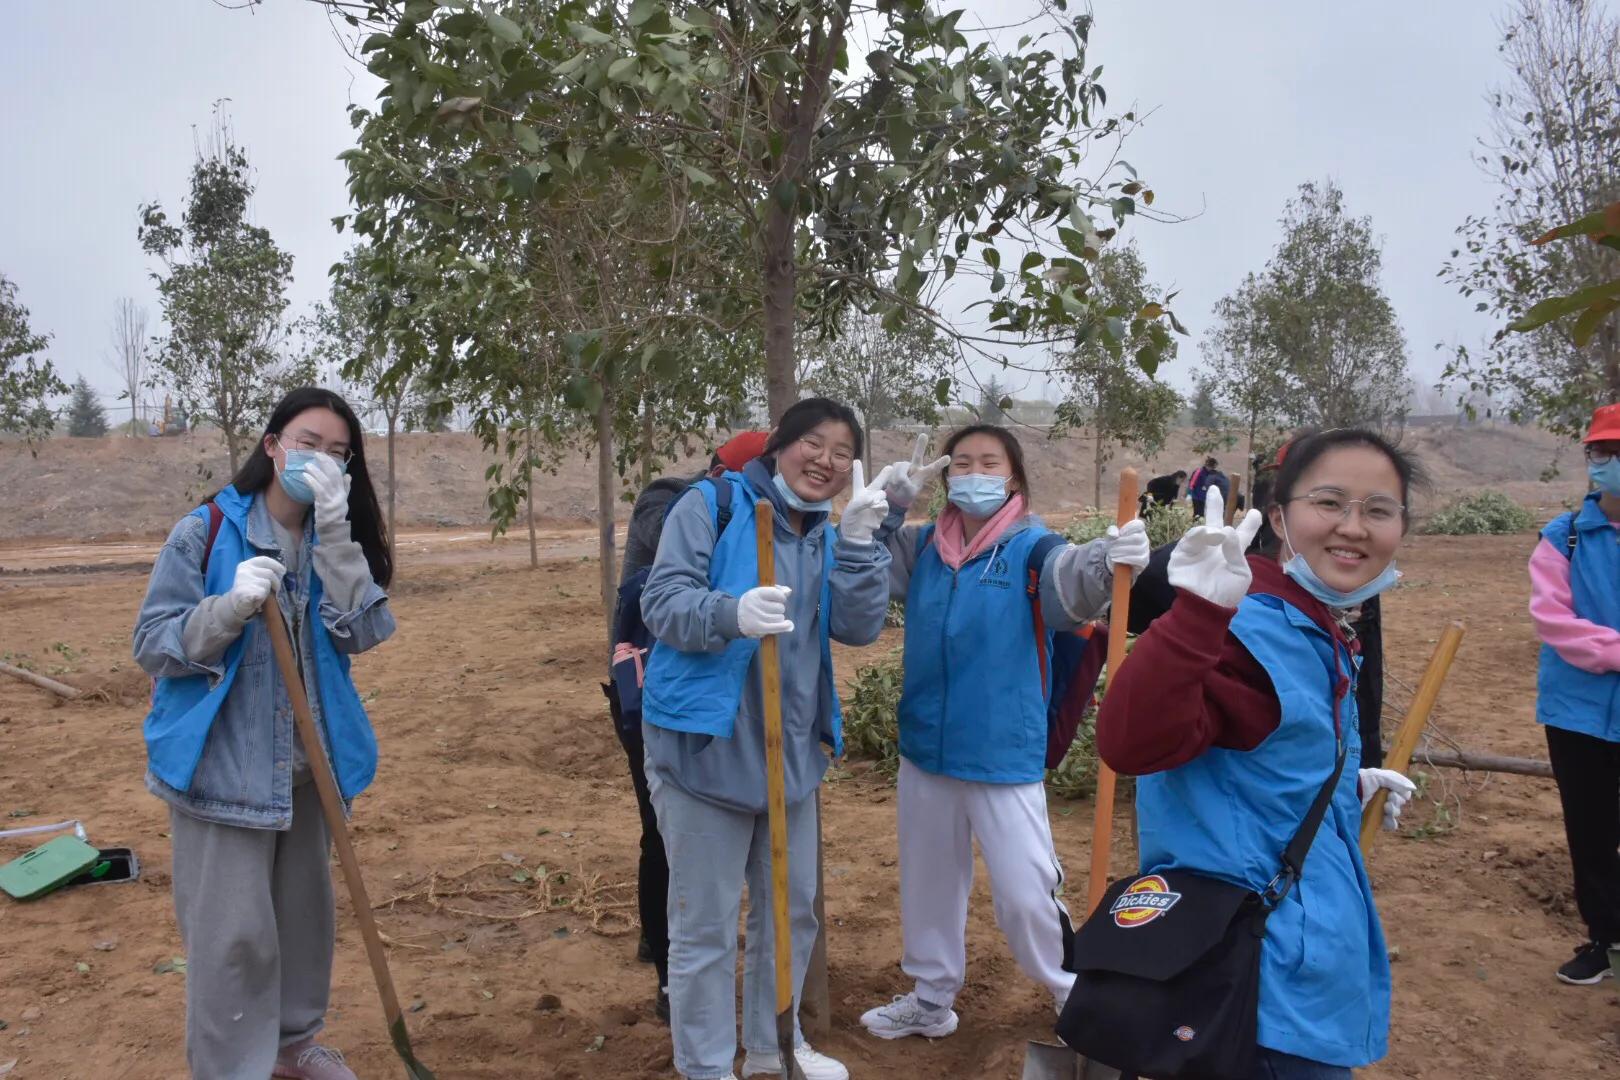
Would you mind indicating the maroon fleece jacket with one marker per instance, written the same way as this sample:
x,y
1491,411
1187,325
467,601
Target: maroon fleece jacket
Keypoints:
x,y
1191,684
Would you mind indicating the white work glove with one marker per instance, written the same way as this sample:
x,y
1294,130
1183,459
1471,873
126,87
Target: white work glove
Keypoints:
x,y
331,487
1209,561
866,508
908,478
1400,789
256,579
1130,547
763,611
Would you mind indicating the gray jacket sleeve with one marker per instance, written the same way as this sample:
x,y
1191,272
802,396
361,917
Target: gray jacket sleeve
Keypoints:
x,y
354,608
860,591
676,603
165,646
1075,584
901,540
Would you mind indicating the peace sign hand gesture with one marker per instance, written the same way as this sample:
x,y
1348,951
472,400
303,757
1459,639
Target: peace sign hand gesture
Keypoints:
x,y
1209,561
908,478
867,506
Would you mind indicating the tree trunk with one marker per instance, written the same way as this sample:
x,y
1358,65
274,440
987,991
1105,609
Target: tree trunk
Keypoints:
x,y
528,497
1097,472
781,300
646,440
230,449
605,507
393,536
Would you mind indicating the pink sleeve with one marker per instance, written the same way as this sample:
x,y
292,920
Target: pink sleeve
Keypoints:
x,y
1587,645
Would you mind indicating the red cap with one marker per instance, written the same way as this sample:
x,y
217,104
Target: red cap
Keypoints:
x,y
742,448
1605,425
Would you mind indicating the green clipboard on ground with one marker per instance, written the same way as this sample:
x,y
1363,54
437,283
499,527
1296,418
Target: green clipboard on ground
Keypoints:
x,y
47,867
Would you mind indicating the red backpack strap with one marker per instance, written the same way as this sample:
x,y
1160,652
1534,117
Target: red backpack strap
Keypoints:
x,y
216,517
1037,561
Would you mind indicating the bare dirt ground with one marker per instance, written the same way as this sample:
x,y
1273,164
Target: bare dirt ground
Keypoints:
x,y
498,756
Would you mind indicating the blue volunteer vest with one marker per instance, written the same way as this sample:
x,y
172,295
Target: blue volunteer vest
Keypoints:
x,y
1566,696
1324,976
972,705
183,709
701,692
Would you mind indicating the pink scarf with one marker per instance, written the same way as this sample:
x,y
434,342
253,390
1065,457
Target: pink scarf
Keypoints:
x,y
950,534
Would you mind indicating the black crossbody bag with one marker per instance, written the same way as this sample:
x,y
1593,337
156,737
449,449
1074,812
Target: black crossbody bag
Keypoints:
x,y
1167,969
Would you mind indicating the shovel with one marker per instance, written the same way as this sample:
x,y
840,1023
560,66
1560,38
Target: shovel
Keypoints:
x,y
1046,1061
337,825
770,671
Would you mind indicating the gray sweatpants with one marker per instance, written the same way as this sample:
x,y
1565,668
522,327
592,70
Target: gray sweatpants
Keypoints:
x,y
257,917
713,852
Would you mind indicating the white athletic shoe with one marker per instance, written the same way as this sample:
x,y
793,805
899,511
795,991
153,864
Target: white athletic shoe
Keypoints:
x,y
814,1066
907,1016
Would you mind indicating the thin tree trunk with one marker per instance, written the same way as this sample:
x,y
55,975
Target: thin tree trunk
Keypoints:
x,y
605,507
528,498
781,284
1097,471
393,535
646,440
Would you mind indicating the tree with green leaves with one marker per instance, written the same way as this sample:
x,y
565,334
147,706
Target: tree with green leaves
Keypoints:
x,y
26,378
886,375
223,288
1551,150
1204,412
869,187
1244,373
86,418
1111,390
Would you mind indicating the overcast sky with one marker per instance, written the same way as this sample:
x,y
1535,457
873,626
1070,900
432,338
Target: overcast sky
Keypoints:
x,y
1247,98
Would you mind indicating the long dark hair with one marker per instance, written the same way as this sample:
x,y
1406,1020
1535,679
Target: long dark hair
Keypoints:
x,y
804,416
1009,444
1302,451
365,515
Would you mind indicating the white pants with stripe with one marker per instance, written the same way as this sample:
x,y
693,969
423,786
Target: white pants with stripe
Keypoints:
x,y
940,817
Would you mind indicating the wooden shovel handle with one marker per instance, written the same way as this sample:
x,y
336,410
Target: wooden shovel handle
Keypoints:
x,y
1102,826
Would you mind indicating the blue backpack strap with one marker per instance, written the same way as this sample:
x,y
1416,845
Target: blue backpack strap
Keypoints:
x,y
717,494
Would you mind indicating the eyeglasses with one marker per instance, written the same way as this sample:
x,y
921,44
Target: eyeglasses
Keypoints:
x,y
1377,511
842,460
342,457
1594,456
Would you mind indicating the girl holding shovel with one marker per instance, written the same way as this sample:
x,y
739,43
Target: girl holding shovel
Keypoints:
x,y
703,713
252,886
1234,711
1575,603
973,715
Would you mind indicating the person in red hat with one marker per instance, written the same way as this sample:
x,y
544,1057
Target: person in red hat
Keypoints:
x,y
640,546
1575,604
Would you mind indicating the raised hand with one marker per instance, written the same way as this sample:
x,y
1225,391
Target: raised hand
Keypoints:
x,y
331,487
1129,546
1209,561
867,505
908,478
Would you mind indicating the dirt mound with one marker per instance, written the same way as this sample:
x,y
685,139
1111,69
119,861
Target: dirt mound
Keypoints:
x,y
135,488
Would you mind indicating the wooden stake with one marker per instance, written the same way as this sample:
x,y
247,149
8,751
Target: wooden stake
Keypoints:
x,y
1102,826
1411,729
1237,495
61,690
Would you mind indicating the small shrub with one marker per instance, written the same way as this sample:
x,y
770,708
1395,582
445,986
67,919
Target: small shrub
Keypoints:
x,y
1165,524
1076,775
896,616
1484,513
872,715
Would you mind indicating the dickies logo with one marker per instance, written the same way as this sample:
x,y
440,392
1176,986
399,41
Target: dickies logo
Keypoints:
x,y
1185,1033
1144,900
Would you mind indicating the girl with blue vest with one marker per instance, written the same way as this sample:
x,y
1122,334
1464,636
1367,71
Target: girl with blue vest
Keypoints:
x,y
1575,603
702,712
252,887
973,721
1233,711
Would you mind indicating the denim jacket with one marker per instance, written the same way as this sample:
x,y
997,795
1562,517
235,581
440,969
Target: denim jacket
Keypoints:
x,y
220,734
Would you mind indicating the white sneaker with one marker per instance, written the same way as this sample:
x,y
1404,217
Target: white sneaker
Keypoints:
x,y
814,1066
907,1016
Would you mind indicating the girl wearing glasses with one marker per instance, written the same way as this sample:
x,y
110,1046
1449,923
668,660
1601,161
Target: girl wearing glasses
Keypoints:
x,y
252,888
973,722
1575,604
703,719
1233,711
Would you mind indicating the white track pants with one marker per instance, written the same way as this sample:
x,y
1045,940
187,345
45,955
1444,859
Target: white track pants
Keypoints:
x,y
939,819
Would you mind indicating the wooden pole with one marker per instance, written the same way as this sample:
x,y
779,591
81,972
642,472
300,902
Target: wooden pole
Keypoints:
x,y
770,670
1411,729
1463,759
61,690
1102,826
1237,496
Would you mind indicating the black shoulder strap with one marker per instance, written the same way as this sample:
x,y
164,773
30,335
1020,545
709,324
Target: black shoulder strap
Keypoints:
x,y
1294,854
722,504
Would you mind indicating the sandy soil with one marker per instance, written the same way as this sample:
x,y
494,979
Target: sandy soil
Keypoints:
x,y
497,754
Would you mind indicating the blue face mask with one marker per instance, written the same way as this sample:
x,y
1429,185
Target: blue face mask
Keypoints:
x,y
1606,476
978,495
1300,570
792,498
292,476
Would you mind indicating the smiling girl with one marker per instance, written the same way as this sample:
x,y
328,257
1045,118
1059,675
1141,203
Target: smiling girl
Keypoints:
x,y
1234,710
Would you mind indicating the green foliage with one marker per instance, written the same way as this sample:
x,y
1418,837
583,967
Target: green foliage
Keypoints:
x,y
223,288
1554,138
85,416
1076,775
1483,513
887,375
872,714
1165,524
1205,414
26,379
